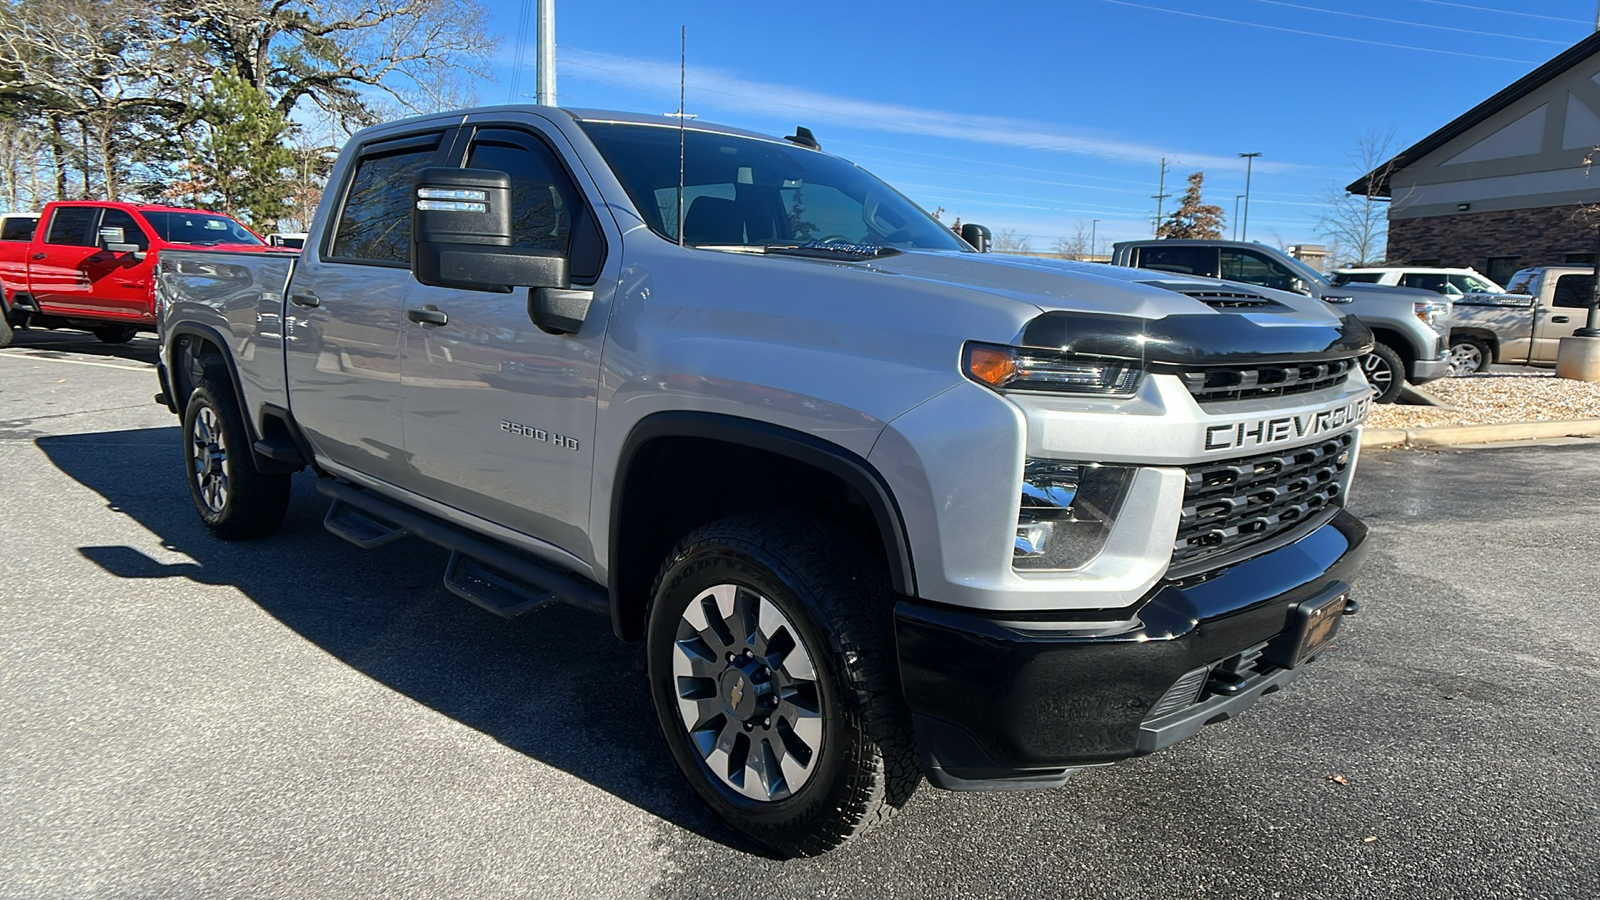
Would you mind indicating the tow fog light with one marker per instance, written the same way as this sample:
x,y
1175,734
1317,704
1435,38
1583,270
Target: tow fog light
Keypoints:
x,y
1067,512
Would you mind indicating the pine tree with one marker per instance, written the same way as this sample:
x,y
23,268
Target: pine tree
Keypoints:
x,y
1192,218
241,158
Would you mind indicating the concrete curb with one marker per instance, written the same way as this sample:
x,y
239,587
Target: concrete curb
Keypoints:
x,y
1451,435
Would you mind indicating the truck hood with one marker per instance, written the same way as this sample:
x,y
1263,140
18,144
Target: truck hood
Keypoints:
x,y
1382,292
1053,285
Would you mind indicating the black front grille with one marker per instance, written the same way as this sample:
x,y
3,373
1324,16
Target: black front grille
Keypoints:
x,y
1212,384
1237,503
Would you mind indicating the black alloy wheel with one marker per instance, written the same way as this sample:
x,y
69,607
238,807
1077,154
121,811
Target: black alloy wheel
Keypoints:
x,y
771,665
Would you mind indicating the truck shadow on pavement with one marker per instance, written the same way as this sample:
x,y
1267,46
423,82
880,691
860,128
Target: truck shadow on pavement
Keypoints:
x,y
555,684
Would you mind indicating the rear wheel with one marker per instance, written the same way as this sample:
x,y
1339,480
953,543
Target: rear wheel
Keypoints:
x,y
772,669
234,499
1385,371
1468,355
6,332
115,334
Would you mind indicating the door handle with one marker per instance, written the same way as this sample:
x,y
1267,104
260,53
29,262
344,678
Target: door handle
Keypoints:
x,y
1560,319
308,300
427,315
40,255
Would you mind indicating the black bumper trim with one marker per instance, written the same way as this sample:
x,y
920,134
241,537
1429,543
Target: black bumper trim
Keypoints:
x,y
996,700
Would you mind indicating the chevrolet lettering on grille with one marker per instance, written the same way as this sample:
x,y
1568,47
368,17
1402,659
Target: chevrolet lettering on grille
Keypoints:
x,y
1282,429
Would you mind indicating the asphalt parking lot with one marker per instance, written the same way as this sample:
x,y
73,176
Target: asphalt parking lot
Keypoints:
x,y
294,718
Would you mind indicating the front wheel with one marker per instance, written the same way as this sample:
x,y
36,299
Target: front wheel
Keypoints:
x,y
773,673
234,499
1468,355
1385,371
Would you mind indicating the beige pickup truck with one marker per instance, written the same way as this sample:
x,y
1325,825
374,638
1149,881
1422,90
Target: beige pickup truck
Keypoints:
x,y
1523,326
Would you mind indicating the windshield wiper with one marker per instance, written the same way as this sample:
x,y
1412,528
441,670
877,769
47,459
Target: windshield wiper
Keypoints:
x,y
813,249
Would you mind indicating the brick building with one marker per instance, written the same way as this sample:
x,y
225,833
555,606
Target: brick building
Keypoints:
x,y
1505,185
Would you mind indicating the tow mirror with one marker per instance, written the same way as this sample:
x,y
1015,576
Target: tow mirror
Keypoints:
x,y
461,235
976,235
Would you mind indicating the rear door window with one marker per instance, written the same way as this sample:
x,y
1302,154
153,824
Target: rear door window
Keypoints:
x,y
1573,291
375,224
1183,260
73,226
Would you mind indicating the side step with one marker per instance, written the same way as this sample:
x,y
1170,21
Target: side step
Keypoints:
x,y
500,580
359,528
499,593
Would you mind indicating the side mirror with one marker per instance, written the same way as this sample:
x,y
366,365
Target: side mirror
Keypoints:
x,y
976,235
461,235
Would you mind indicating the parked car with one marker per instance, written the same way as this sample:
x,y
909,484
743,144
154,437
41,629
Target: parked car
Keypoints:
x,y
879,506
1408,326
89,264
1450,282
1523,326
18,226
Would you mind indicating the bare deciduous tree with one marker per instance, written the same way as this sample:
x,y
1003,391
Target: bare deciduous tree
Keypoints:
x,y
1359,223
1011,242
1076,245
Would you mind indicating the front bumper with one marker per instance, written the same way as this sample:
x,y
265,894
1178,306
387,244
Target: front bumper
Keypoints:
x,y
1014,701
1426,370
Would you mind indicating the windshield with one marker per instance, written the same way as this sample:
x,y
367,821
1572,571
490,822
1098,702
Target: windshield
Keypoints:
x,y
1307,274
198,228
741,191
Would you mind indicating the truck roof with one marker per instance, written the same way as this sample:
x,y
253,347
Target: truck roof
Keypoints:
x,y
123,204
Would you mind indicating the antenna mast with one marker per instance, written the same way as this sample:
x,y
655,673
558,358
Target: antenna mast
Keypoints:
x,y
683,58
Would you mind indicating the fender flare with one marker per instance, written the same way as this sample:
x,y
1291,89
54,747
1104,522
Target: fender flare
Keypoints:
x,y
827,456
169,347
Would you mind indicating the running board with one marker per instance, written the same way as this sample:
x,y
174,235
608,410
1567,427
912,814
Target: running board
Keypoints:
x,y
504,595
500,580
358,528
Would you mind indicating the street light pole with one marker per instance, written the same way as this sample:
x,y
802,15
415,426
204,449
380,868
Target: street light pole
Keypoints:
x,y
1244,226
1236,215
1092,226
545,70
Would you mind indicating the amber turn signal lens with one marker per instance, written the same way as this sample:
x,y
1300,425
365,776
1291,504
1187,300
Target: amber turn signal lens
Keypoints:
x,y
990,365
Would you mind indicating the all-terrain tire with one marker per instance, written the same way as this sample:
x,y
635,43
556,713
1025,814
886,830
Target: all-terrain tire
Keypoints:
x,y
6,331
836,601
235,500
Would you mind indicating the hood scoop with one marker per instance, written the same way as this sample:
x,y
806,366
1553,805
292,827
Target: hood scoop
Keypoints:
x,y
1219,297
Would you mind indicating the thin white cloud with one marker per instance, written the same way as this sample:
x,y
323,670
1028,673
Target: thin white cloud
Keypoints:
x,y
709,88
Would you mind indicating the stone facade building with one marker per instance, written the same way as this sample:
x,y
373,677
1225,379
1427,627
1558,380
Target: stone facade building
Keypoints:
x,y
1505,185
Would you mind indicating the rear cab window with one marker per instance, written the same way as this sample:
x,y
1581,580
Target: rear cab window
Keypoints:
x,y
18,228
1182,260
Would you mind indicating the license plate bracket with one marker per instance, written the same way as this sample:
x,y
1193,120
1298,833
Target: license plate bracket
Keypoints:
x,y
1312,624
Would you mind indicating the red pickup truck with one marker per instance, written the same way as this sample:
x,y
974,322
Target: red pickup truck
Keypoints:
x,y
89,264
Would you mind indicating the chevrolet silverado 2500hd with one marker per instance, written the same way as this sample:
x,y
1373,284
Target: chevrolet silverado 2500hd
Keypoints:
x,y
880,506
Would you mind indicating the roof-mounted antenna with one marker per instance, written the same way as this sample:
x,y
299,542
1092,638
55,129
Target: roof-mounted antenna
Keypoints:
x,y
803,136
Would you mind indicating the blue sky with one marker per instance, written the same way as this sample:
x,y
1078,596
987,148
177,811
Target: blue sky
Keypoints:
x,y
1037,116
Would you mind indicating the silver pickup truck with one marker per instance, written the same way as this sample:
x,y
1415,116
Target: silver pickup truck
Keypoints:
x,y
1408,325
879,506
1523,326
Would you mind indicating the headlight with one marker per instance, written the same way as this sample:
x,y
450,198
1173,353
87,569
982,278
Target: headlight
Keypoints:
x,y
1434,314
1067,512
1031,369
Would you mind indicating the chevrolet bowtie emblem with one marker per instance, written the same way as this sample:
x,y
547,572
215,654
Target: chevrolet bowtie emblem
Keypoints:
x,y
737,694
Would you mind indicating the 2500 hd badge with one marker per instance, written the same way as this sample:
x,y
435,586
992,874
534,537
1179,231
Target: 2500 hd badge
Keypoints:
x,y
1261,432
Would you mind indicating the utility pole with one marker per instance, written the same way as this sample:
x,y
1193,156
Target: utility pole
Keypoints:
x,y
1244,226
1236,215
546,35
1160,195
1092,226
